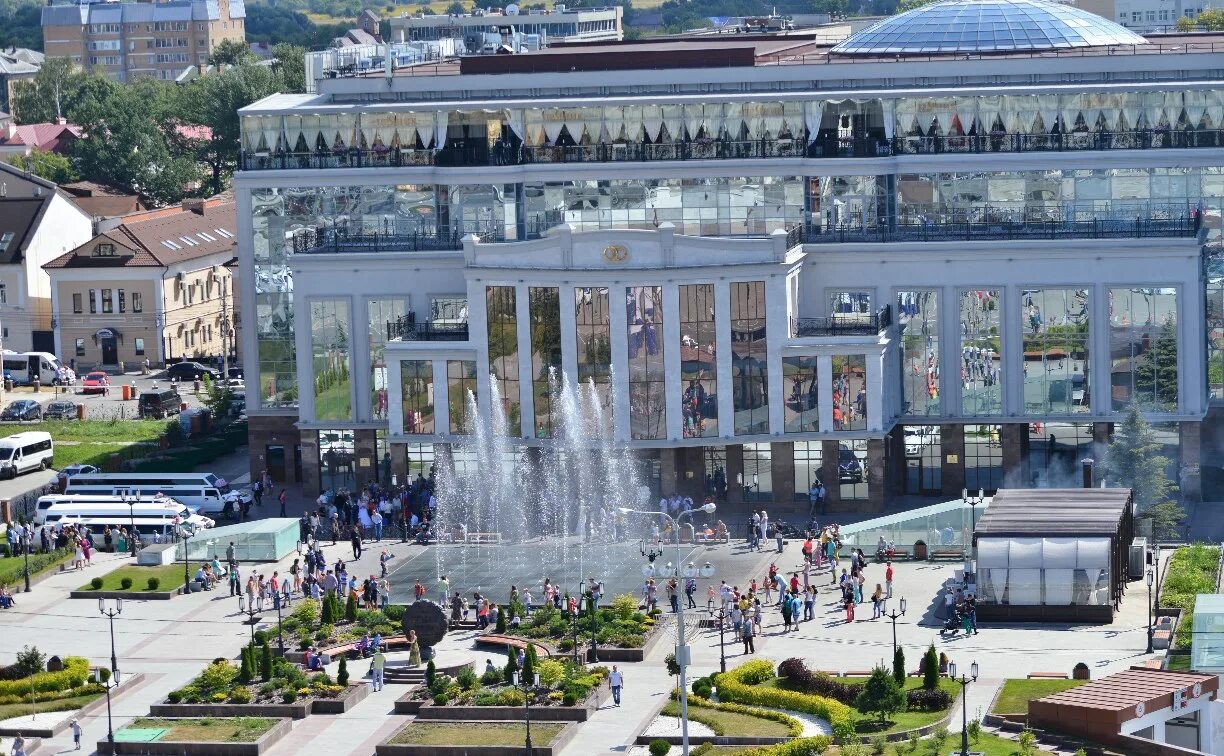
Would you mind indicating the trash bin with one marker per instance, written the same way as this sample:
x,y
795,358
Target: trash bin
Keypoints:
x,y
127,392
80,411
37,385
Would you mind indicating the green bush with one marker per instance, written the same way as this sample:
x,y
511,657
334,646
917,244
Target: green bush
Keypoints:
x,y
703,687
569,697
930,668
246,669
734,687
217,676
624,607
265,661
798,747
153,583
551,671
74,675
794,726
96,584
431,673
125,584
485,698
441,699
104,675
219,697
394,612
240,695
491,677
175,696
659,747
350,608
342,675
467,677
511,697
289,696
261,637
14,570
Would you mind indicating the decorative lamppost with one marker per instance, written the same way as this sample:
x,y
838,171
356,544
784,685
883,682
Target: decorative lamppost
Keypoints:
x,y
1148,578
185,531
964,682
113,680
278,600
26,539
252,616
973,502
722,621
131,500
892,615
529,691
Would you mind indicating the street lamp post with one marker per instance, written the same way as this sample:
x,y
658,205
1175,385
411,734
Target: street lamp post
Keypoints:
x,y
130,500
682,650
582,600
722,621
529,691
185,532
113,682
594,653
111,614
973,502
26,539
252,615
964,682
892,615
1147,578
277,600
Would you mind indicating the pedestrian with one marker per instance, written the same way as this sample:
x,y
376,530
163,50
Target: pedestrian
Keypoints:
x,y
18,746
257,491
848,600
786,615
778,537
76,734
809,603
617,681
284,496
747,633
888,578
235,580
383,558
673,597
690,587
376,669
877,602
355,539
971,615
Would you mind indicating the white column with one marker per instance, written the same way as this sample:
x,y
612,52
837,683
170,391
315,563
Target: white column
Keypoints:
x,y
526,369
305,368
777,332
395,399
722,335
1191,392
1098,357
1011,351
569,335
360,359
441,397
673,387
478,336
875,363
824,384
618,330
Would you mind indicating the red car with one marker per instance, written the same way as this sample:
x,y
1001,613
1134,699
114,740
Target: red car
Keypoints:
x,y
96,382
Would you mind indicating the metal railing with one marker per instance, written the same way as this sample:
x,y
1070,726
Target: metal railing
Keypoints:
x,y
407,328
988,230
843,324
341,241
863,146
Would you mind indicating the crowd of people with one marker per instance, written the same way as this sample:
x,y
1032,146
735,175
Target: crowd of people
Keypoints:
x,y
367,513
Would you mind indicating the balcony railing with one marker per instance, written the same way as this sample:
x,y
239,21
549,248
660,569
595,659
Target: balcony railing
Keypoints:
x,y
409,329
341,241
1107,228
843,324
862,146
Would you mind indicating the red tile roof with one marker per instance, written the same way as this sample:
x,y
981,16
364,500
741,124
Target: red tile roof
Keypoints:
x,y
163,237
51,137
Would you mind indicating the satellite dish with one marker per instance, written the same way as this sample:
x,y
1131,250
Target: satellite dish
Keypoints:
x,y
512,10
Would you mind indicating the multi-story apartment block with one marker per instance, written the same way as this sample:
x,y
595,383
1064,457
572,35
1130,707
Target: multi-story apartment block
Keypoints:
x,y
151,286
1147,16
129,40
558,25
944,253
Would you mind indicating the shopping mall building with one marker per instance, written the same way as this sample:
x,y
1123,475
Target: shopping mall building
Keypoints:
x,y
947,252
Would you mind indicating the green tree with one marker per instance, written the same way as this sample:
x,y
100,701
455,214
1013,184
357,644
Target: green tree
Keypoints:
x,y
30,661
231,52
265,661
350,608
290,66
529,664
328,612
217,397
1156,371
51,94
431,673
881,694
930,668
511,665
1184,24
49,165
899,666
246,671
501,621
1133,460
342,675
906,5
456,8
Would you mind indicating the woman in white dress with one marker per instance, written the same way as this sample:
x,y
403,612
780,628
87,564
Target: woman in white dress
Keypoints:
x,y
79,557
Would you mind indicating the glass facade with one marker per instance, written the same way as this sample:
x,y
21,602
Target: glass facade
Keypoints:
x,y
647,375
983,457
544,311
849,392
980,318
595,346
758,472
379,313
1143,343
802,410
502,314
276,353
808,456
337,455
461,394
417,393
698,361
1056,351
918,314
749,364
1055,451
330,344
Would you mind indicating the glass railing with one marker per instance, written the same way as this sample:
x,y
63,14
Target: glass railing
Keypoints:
x,y
409,329
997,230
502,153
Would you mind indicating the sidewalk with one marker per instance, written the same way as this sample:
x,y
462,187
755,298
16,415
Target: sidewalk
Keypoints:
x,y
647,686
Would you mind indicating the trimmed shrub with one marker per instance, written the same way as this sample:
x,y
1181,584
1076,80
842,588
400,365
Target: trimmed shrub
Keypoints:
x,y
491,677
800,678
342,675
153,583
74,675
125,584
219,697
899,666
511,697
500,627
921,699
265,661
350,608
246,671
793,725
733,686
289,696
569,698
659,747
441,699
240,695
467,677
431,673
96,584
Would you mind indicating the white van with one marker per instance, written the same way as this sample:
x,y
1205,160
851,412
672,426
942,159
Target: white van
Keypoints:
x,y
162,526
24,367
23,452
202,492
61,504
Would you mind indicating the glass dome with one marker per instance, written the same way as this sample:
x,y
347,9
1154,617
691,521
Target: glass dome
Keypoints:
x,y
977,26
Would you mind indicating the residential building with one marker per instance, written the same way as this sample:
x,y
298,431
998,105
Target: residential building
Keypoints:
x,y
558,25
365,33
102,201
16,64
944,253
48,137
38,222
1147,16
129,40
153,286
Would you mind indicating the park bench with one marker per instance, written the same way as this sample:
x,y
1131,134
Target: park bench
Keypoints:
x,y
388,644
704,538
945,554
899,554
857,673
483,538
1047,676
506,641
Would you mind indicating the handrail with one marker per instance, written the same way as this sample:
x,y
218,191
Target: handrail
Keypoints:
x,y
406,328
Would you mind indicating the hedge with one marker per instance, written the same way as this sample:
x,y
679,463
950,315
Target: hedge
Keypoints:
x,y
792,724
13,571
74,674
1191,570
800,747
741,685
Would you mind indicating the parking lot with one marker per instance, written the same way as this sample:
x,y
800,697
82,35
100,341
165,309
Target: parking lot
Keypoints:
x,y
110,405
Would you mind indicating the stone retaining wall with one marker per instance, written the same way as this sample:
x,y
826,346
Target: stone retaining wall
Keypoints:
x,y
428,711
295,710
171,748
353,696
555,747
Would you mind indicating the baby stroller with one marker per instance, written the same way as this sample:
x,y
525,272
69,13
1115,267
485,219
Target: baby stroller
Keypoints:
x,y
953,623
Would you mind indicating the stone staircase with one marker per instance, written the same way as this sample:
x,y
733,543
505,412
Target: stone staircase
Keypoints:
x,y
404,675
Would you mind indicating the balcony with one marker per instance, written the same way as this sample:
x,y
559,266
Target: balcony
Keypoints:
x,y
859,146
1005,230
341,240
408,329
843,324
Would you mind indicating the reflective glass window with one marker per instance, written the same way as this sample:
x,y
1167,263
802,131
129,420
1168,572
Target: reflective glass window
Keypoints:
x,y
918,314
1055,354
381,312
802,410
981,390
417,393
502,317
849,392
461,394
330,341
647,375
749,363
1143,335
544,311
698,361
595,350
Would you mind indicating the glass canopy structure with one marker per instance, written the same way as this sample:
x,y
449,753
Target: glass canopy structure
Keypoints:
x,y
984,26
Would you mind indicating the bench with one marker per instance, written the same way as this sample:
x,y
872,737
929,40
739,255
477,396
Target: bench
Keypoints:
x,y
899,554
949,554
506,641
1047,676
483,538
714,538
857,673
388,644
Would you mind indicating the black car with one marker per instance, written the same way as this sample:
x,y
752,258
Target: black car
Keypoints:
x,y
160,403
235,372
849,466
60,410
190,371
22,409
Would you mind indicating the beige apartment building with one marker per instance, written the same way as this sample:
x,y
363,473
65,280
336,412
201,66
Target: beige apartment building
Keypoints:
x,y
154,286
128,40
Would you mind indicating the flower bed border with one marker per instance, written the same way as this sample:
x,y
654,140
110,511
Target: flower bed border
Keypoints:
x,y
88,709
576,713
296,710
204,748
127,595
411,749
614,654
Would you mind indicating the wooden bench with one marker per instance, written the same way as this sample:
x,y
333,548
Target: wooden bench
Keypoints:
x,y
857,673
506,641
388,644
1047,676
898,554
714,538
948,554
483,538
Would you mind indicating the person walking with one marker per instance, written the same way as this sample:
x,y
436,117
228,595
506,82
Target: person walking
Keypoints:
x,y
888,578
690,587
355,539
786,614
257,491
747,633
284,496
376,669
877,602
617,681
76,734
235,580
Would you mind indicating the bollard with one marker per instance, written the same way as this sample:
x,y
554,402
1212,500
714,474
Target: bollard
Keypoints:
x,y
80,411
127,392
37,385
197,386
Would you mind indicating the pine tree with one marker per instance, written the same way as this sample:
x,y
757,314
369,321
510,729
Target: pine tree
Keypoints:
x,y
511,665
1133,461
350,608
882,694
899,666
328,615
501,621
930,668
342,676
431,673
1156,371
265,662
246,670
529,664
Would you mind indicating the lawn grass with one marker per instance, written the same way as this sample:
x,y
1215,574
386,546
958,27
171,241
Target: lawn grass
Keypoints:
x,y
1178,663
1191,570
869,724
478,734
8,711
729,723
12,569
170,575
1016,694
208,729
94,431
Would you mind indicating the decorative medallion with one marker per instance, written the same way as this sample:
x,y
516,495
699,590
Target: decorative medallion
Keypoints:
x,y
616,253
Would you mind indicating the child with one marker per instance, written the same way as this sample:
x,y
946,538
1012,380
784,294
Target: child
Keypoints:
x,y
383,558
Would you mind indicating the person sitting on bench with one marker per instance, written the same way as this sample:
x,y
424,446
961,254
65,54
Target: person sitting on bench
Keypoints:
x,y
363,646
376,643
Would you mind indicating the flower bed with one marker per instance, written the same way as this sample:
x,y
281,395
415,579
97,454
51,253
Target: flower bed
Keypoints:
x,y
487,738
567,692
331,622
12,569
67,690
620,625
199,736
137,582
743,685
267,686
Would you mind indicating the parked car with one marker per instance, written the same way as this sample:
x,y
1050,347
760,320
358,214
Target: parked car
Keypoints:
x,y
235,372
158,404
849,466
22,409
78,469
60,410
191,371
96,382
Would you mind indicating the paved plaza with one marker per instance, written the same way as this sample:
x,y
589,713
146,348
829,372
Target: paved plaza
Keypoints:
x,y
170,641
